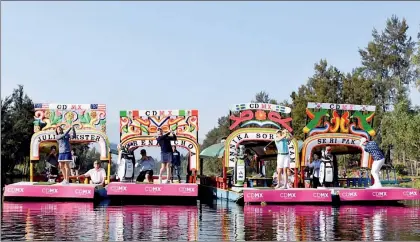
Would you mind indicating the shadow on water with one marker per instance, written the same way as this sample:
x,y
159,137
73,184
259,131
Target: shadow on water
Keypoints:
x,y
216,220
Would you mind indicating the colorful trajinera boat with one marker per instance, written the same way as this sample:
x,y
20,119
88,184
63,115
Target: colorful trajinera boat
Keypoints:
x,y
89,121
337,126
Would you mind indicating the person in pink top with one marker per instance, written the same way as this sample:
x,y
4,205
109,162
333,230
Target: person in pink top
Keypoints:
x,y
97,174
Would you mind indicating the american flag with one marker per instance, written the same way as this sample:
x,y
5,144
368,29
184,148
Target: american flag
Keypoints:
x,y
41,106
98,106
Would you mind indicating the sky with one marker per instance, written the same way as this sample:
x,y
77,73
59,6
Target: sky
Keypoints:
x,y
181,55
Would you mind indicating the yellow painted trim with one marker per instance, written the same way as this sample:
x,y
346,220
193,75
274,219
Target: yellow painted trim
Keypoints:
x,y
252,130
97,132
326,136
31,171
192,141
109,172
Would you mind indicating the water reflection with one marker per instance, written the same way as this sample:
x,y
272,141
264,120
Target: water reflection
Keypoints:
x,y
151,222
217,221
326,223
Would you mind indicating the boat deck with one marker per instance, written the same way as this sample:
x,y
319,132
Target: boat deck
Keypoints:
x,y
150,189
327,195
44,190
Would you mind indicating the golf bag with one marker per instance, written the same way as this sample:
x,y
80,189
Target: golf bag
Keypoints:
x,y
51,172
326,171
126,166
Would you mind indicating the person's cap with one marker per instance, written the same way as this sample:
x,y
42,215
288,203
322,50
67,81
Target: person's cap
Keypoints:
x,y
278,131
143,151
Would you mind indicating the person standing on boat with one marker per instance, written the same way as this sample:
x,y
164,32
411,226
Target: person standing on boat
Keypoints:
x,y
283,159
378,159
315,165
164,141
97,174
176,164
64,155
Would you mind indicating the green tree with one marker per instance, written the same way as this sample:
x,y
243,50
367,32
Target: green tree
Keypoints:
x,y
416,62
387,61
17,129
403,127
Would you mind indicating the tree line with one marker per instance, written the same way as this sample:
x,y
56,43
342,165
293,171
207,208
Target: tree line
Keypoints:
x,y
390,65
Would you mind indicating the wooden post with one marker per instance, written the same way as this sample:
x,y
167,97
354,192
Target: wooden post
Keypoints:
x,y
108,179
31,171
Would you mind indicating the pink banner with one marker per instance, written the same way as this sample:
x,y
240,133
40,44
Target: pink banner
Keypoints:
x,y
133,189
53,191
385,194
287,196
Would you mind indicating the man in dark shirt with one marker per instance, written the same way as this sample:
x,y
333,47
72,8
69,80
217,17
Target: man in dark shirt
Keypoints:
x,y
164,141
176,164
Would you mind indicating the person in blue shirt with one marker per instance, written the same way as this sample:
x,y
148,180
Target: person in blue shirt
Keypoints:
x,y
315,164
176,164
378,160
164,141
283,159
64,149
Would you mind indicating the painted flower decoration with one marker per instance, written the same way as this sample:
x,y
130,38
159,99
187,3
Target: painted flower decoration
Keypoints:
x,y
70,116
103,128
260,115
47,114
93,114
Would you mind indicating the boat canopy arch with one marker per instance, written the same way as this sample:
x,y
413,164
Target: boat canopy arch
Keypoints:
x,y
138,128
340,143
340,126
89,121
255,125
256,135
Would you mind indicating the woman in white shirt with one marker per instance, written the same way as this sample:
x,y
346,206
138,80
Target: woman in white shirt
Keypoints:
x,y
97,174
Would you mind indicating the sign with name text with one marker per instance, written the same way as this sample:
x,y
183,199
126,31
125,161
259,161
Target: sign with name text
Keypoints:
x,y
344,107
323,140
263,136
181,142
82,136
260,106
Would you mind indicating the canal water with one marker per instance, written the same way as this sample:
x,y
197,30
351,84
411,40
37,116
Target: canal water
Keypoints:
x,y
217,221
